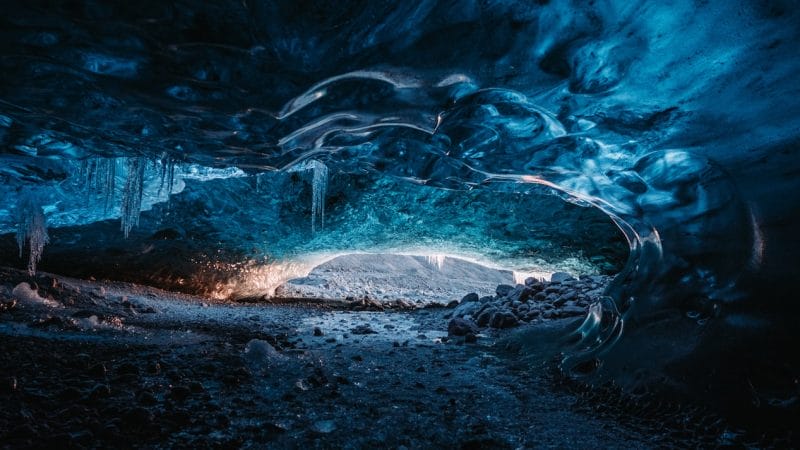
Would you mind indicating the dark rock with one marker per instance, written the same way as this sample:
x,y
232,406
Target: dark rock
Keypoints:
x,y
138,416
154,368
467,309
127,369
526,294
179,393
363,329
471,297
100,391
503,319
98,370
318,331
560,276
503,290
573,311
470,338
452,304
484,317
146,398
70,393
196,387
461,327
486,299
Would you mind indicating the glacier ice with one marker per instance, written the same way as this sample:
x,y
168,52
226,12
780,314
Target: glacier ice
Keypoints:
x,y
319,188
132,194
31,230
677,120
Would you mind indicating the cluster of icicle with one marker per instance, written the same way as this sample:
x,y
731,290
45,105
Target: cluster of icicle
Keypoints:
x,y
99,178
32,229
319,188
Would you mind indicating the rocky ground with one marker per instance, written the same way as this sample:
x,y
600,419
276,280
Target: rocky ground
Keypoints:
x,y
90,365
535,301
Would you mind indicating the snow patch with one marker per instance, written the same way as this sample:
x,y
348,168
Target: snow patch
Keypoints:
x,y
26,295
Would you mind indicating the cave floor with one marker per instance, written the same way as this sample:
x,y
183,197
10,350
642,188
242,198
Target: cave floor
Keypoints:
x,y
128,366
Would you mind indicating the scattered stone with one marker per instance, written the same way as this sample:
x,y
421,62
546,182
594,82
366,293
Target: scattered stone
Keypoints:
x,y
471,297
484,317
128,369
146,398
461,327
324,426
503,319
100,391
179,393
503,290
98,370
318,331
363,329
138,416
559,277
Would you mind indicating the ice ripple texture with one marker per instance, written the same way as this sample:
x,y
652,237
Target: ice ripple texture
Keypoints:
x,y
679,121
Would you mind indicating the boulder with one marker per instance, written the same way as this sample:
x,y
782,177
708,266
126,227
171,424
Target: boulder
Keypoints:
x,y
461,327
503,289
560,276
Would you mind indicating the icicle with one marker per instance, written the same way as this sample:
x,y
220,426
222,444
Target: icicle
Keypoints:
x,y
32,228
167,175
319,188
132,194
319,185
110,174
98,177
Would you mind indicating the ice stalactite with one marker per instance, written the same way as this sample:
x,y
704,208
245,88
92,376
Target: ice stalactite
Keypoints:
x,y
99,177
319,188
436,261
167,174
32,228
132,194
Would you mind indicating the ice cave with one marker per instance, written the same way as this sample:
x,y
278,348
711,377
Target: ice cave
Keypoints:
x,y
376,224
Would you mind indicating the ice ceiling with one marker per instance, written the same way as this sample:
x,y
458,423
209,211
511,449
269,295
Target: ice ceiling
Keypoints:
x,y
679,121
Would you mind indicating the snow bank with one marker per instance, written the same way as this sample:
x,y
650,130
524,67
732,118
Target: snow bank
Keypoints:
x,y
387,277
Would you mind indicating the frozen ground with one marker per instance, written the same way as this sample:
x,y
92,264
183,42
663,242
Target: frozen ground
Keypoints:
x,y
125,365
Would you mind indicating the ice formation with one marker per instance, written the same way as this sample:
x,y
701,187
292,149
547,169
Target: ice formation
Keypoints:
x,y
31,230
132,194
319,188
678,120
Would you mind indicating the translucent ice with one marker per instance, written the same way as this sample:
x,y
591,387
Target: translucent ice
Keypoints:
x,y
31,229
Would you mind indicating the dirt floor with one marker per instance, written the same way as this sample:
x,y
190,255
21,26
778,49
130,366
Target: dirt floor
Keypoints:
x,y
118,365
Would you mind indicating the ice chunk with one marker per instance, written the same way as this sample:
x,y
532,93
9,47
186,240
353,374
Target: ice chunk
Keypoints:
x,y
260,353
